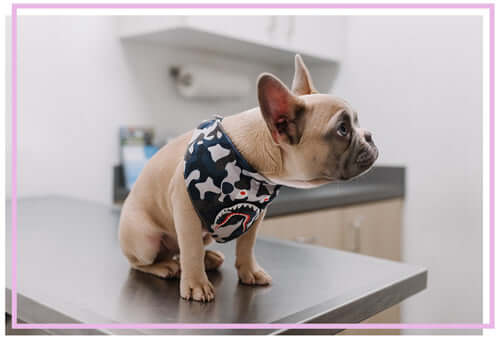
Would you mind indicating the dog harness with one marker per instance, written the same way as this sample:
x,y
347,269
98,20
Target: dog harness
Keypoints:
x,y
228,194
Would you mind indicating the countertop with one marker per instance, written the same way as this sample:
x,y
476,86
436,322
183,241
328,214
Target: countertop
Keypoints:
x,y
380,183
70,269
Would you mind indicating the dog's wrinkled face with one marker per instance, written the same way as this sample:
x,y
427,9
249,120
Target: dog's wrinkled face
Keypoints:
x,y
319,135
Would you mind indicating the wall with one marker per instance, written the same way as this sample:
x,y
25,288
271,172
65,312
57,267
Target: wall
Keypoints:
x,y
417,84
74,90
172,113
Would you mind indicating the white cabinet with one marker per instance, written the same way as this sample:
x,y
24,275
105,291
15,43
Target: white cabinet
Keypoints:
x,y
274,39
133,26
257,29
321,36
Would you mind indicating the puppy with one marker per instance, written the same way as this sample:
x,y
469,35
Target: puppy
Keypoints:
x,y
216,182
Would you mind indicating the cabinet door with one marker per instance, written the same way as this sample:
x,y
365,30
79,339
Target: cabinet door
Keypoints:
x,y
321,35
250,28
374,229
390,315
135,25
307,228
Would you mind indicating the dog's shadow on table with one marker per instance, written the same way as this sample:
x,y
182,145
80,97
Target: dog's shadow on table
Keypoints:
x,y
145,298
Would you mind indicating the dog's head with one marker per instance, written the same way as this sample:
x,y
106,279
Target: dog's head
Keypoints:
x,y
319,135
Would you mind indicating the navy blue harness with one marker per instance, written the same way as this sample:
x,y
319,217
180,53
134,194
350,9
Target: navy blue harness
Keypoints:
x,y
228,194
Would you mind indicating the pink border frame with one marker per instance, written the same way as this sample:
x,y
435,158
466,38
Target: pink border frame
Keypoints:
x,y
491,324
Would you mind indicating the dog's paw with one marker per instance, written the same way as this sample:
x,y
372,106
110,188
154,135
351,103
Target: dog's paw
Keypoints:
x,y
199,289
171,269
254,275
168,269
213,259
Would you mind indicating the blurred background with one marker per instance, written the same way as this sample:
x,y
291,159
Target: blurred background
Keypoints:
x,y
94,90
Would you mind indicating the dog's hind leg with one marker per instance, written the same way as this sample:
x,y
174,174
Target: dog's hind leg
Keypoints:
x,y
141,242
213,259
166,269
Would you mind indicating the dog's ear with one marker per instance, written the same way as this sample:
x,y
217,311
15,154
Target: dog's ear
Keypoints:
x,y
281,109
302,82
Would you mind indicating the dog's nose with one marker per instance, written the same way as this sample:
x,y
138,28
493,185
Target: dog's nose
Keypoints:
x,y
368,137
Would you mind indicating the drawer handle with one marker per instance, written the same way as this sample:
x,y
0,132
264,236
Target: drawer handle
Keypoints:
x,y
305,239
356,233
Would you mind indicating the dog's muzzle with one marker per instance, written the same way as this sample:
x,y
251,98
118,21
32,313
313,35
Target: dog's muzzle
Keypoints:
x,y
367,156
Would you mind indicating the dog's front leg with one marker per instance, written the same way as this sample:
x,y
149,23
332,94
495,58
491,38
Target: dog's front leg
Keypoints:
x,y
194,282
249,271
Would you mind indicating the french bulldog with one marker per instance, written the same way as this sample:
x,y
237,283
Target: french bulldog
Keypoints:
x,y
216,181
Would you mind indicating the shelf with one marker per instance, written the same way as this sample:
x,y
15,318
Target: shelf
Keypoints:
x,y
202,40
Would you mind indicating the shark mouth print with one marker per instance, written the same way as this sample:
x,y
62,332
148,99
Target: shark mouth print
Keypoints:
x,y
239,216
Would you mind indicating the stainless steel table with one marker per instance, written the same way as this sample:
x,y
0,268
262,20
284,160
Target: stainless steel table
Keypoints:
x,y
70,269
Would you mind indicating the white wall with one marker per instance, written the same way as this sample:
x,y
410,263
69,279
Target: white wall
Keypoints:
x,y
172,113
74,90
416,82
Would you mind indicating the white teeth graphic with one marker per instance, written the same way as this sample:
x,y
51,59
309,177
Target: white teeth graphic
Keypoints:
x,y
235,208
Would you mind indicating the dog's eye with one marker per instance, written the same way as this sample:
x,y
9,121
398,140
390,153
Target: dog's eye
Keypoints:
x,y
342,129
